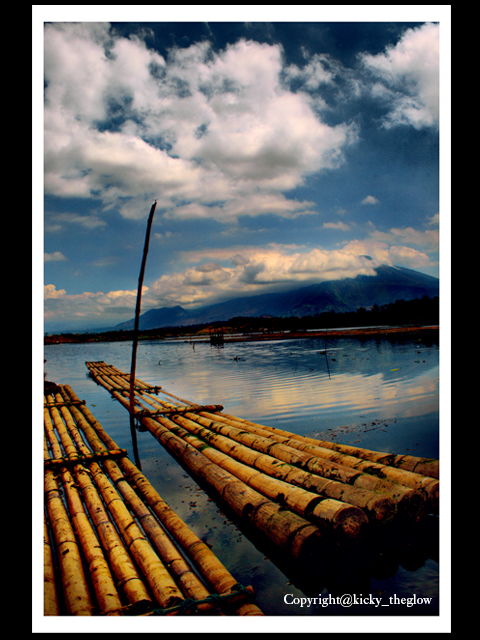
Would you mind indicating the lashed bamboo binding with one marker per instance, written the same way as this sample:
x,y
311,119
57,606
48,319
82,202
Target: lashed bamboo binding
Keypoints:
x,y
295,491
98,558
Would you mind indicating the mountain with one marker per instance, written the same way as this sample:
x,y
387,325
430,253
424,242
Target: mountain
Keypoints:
x,y
349,294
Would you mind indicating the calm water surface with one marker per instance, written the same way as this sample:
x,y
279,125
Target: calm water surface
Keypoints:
x,y
378,393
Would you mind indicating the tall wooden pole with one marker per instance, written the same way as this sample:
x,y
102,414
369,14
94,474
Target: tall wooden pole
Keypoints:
x,y
136,325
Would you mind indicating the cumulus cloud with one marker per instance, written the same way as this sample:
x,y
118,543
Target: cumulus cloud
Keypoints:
x,y
200,130
408,76
88,306
255,270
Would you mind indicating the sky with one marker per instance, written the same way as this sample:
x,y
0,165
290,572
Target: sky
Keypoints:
x,y
279,154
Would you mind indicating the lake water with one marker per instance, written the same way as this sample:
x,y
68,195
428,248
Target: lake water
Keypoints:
x,y
378,393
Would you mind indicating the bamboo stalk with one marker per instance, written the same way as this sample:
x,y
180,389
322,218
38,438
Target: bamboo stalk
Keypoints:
x,y
50,596
295,498
425,467
379,508
312,463
212,570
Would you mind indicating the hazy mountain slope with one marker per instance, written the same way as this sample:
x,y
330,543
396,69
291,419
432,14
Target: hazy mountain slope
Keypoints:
x,y
390,284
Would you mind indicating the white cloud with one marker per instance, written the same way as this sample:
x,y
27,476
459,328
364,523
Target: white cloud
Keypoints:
x,y
370,200
199,131
390,254
253,270
408,235
56,256
409,73
336,225
88,307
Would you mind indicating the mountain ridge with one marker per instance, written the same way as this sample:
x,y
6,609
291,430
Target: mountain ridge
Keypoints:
x,y
348,294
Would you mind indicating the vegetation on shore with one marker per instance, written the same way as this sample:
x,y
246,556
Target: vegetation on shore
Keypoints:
x,y
403,313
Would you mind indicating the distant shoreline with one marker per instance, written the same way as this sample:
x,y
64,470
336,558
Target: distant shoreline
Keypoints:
x,y
337,333
260,337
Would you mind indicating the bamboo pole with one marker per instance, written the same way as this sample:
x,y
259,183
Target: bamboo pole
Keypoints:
x,y
379,508
136,326
290,532
411,491
50,596
425,467
75,588
373,476
312,463
337,514
209,567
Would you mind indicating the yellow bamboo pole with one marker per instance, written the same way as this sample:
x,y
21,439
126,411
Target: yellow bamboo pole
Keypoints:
x,y
50,596
74,584
209,567
312,463
290,533
425,467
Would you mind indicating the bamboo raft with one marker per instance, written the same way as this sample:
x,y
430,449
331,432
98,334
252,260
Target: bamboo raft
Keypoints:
x,y
112,546
295,491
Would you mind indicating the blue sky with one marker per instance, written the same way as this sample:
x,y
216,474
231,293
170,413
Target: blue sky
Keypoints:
x,y
279,153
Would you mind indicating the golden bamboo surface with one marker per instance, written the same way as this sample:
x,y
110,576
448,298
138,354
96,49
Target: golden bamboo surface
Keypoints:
x,y
309,488
112,546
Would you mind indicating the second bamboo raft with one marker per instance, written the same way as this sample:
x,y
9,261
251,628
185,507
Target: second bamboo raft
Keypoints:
x,y
296,491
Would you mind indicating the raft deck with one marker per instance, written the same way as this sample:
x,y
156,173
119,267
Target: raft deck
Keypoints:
x,y
112,546
297,492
